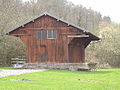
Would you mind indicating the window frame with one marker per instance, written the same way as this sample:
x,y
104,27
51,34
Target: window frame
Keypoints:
x,y
41,33
52,34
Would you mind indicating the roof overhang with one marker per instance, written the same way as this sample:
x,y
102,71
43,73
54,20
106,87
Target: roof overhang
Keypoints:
x,y
58,19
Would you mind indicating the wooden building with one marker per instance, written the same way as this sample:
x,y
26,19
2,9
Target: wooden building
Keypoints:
x,y
49,39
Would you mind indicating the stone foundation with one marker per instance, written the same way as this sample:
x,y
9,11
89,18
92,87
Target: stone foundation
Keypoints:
x,y
64,66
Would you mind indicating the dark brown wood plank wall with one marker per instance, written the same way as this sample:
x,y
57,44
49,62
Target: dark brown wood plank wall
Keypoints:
x,y
56,49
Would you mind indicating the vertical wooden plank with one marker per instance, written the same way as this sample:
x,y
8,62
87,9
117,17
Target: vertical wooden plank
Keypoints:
x,y
57,50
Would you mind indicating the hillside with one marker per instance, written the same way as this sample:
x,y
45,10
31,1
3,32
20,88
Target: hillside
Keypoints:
x,y
16,12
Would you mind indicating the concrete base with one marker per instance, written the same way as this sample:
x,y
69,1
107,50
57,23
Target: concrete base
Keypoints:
x,y
64,66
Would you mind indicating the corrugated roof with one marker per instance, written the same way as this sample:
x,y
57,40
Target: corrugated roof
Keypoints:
x,y
48,14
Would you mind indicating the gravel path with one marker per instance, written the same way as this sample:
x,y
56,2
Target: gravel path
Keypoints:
x,y
8,72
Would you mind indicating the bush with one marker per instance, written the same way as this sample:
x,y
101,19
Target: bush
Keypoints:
x,y
92,65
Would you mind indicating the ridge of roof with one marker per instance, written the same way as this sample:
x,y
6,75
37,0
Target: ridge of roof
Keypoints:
x,y
46,13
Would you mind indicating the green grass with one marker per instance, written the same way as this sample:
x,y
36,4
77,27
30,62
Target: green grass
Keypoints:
x,y
6,68
106,79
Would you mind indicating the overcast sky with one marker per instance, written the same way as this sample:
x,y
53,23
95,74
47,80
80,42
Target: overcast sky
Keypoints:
x,y
105,7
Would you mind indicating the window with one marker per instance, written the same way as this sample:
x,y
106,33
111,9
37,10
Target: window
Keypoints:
x,y
52,34
41,34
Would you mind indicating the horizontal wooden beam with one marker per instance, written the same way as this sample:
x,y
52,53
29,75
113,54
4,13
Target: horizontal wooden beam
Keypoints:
x,y
49,28
20,34
77,36
72,33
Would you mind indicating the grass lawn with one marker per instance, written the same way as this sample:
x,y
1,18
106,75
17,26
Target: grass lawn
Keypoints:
x,y
6,68
106,79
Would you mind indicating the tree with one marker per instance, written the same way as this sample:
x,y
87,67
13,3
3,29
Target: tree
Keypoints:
x,y
15,12
108,50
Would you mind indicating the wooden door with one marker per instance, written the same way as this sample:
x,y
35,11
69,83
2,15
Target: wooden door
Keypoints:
x,y
74,54
42,54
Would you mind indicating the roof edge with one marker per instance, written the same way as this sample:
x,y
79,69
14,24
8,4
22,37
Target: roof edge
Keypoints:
x,y
46,13
59,19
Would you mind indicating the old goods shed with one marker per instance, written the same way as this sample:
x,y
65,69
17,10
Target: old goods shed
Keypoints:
x,y
49,39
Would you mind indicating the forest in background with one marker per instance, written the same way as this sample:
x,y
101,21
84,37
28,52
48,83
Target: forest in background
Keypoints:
x,y
16,12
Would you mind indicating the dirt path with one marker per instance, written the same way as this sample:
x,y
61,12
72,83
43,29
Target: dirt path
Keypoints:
x,y
8,72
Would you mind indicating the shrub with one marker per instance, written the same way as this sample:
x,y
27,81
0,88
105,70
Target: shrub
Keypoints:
x,y
92,65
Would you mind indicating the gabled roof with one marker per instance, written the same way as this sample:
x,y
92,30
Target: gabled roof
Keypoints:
x,y
48,14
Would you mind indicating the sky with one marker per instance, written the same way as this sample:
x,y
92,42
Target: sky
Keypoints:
x,y
105,7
